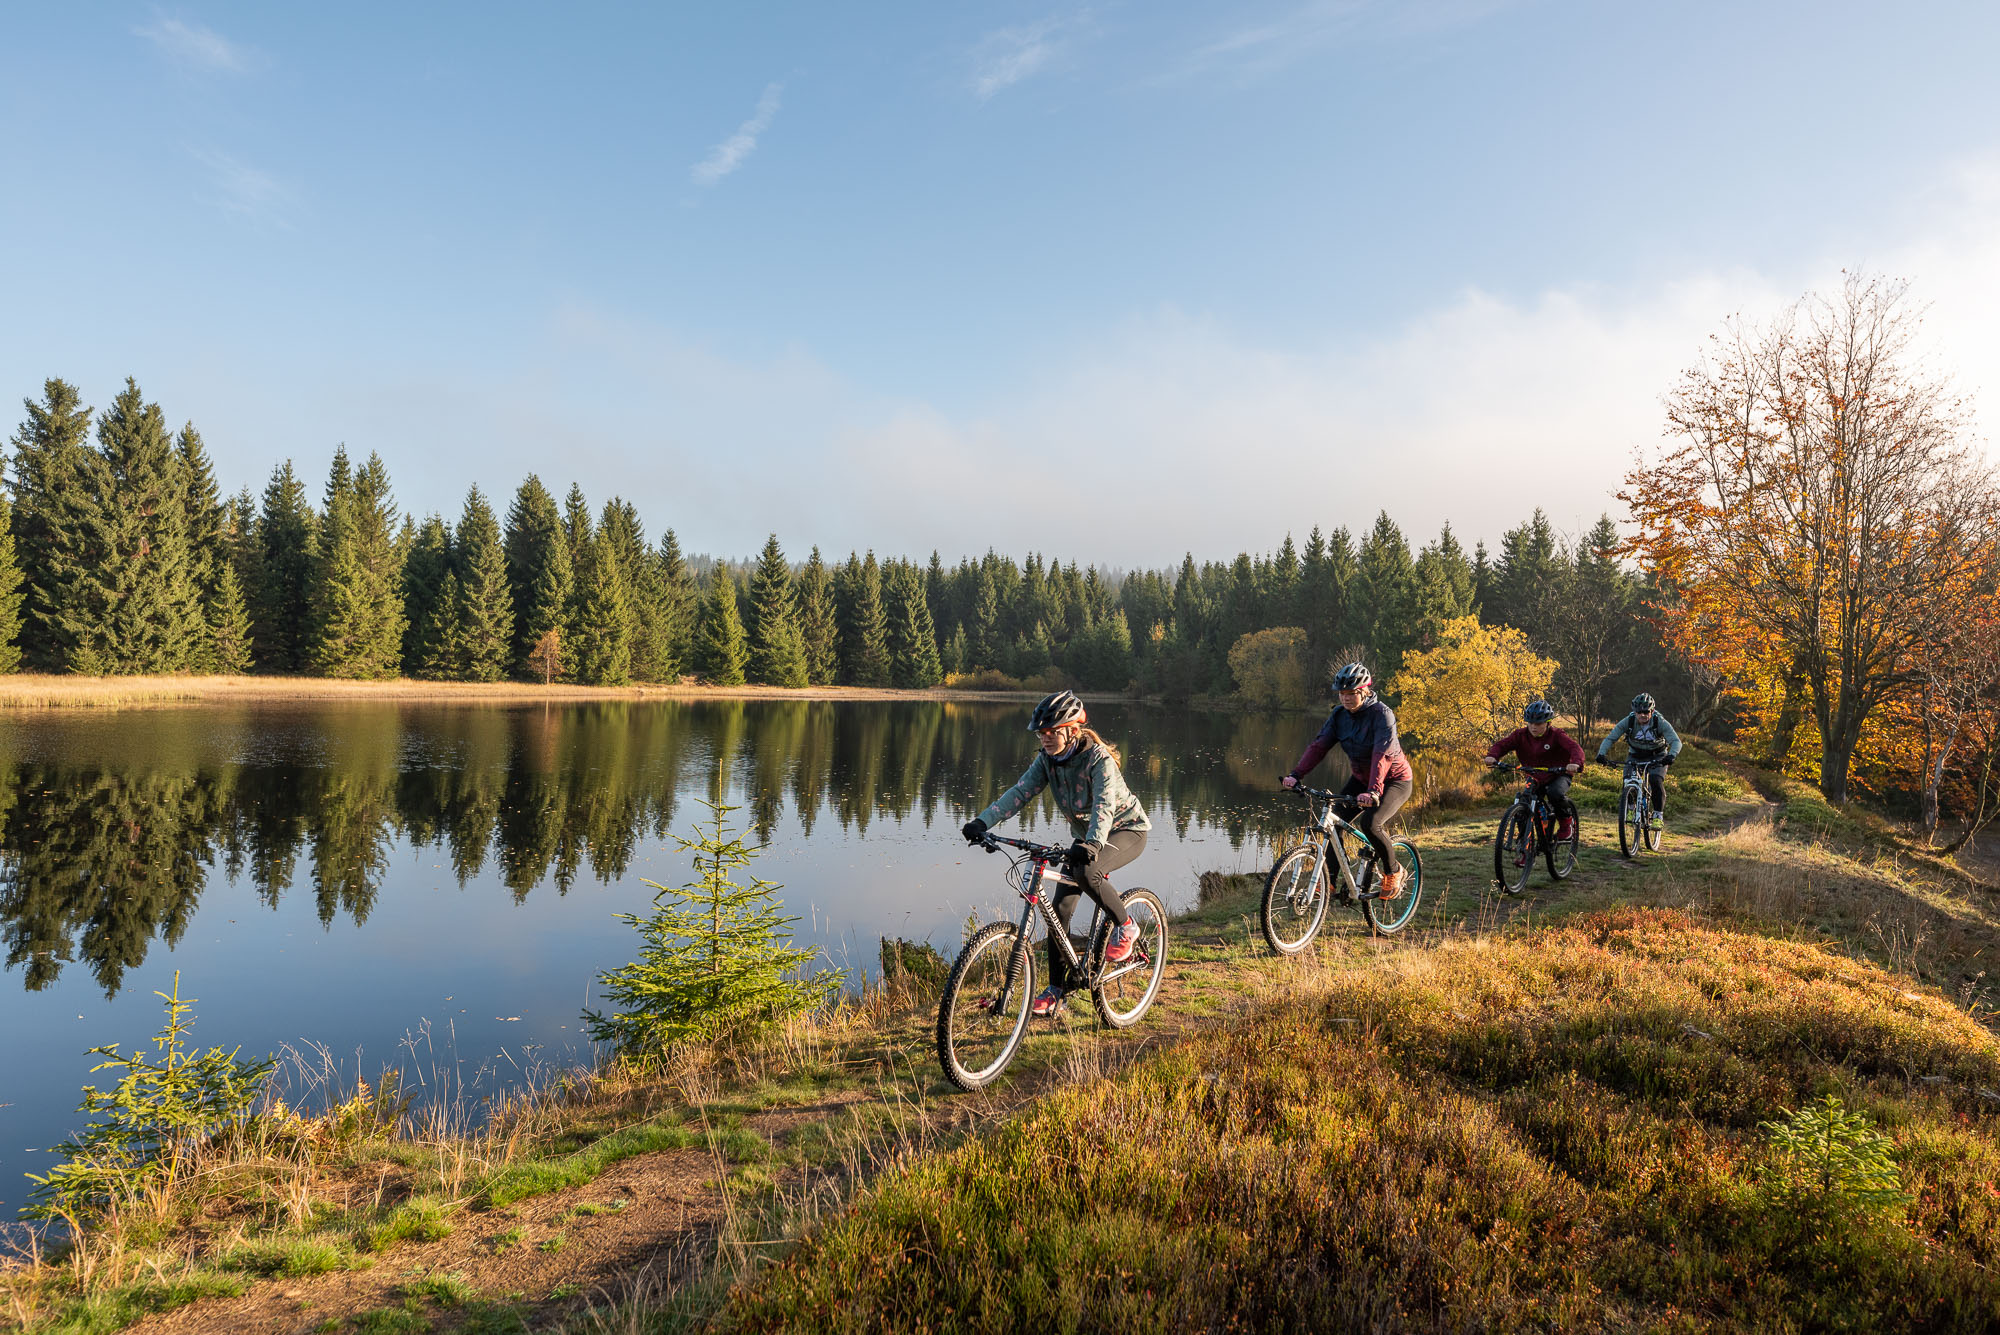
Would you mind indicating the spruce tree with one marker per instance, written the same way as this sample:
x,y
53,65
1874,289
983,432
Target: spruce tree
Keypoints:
x,y
953,654
207,520
10,592
136,608
983,638
445,655
357,596
287,551
540,577
601,650
50,452
485,620
652,658
1442,589
777,652
1381,611
425,567
819,631
865,636
679,605
228,623
720,648
913,635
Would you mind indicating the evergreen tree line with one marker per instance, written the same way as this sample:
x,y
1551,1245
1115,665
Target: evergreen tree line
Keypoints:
x,y
118,555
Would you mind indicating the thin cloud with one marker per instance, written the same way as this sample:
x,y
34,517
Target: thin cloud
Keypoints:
x,y
1006,56
728,155
197,47
1317,24
244,190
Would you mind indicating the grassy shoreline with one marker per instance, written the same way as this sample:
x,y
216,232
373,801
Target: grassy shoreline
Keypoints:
x,y
30,691
633,1200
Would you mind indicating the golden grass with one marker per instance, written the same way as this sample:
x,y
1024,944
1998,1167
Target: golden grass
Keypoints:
x,y
1551,1130
49,691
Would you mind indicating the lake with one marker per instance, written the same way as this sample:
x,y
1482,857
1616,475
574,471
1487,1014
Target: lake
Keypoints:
x,y
433,887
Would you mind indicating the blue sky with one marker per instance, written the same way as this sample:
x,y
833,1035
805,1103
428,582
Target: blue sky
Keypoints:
x,y
914,276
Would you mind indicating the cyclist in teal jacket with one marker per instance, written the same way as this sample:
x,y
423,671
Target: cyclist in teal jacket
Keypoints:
x,y
1080,770
1649,740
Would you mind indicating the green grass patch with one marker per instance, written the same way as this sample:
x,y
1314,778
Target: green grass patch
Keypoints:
x,y
409,1319
420,1219
115,1308
1570,1128
295,1258
538,1177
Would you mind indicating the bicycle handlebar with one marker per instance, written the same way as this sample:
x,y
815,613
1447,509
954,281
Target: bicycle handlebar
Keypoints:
x,y
1050,852
1509,766
1325,795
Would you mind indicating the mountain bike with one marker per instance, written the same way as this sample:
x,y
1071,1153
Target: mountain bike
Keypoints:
x,y
1530,826
1635,807
1299,887
983,1014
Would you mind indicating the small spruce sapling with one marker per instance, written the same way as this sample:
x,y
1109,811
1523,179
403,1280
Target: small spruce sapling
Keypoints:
x,y
144,1131
716,959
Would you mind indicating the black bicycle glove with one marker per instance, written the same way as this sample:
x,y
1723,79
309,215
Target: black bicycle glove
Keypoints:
x,y
1082,853
1604,761
1666,760
974,830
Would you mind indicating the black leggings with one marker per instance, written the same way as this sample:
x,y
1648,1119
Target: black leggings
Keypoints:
x,y
1557,791
1656,779
1373,821
1119,849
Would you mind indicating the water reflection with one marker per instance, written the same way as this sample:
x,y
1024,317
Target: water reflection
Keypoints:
x,y
111,827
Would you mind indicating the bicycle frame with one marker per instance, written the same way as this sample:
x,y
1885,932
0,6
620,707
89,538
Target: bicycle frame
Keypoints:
x,y
1535,793
1636,774
1038,874
1330,825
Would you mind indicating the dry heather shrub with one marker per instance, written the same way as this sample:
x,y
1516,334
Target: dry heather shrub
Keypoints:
x,y
1561,1130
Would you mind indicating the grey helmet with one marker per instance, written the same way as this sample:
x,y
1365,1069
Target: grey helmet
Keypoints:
x,y
1539,711
1642,703
1058,709
1353,677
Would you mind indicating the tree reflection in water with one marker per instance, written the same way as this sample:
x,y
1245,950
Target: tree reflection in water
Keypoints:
x,y
110,828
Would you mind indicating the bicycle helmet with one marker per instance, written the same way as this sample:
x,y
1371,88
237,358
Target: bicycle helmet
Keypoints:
x,y
1539,711
1642,703
1058,709
1353,677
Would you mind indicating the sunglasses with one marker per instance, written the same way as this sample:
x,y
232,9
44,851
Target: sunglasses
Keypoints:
x,y
1049,734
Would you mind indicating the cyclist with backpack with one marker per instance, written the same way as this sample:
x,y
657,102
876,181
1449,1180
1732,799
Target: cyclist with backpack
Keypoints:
x,y
1543,746
1365,728
1080,770
1650,741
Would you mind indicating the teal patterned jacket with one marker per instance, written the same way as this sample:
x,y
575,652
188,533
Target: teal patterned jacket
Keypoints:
x,y
1089,789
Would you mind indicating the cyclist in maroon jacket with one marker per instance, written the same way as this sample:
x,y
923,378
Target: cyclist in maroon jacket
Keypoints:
x,y
1365,729
1545,747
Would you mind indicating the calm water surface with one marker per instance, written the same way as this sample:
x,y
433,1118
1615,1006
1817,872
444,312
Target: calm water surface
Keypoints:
x,y
432,887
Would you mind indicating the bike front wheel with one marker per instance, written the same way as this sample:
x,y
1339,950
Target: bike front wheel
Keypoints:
x,y
1514,850
1128,990
1629,819
1295,896
1560,854
983,1014
1389,916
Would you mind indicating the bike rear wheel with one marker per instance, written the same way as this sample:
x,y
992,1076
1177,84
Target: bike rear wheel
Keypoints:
x,y
1389,916
983,1014
1629,816
1560,854
1295,899
1129,992
1514,850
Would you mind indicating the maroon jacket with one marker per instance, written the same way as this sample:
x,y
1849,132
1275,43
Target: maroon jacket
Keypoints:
x,y
1552,750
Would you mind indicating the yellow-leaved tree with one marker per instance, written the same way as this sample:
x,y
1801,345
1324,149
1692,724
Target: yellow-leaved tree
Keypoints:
x,y
1270,668
1472,687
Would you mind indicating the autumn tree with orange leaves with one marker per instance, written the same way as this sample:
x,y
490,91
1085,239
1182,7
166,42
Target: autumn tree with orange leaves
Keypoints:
x,y
1819,518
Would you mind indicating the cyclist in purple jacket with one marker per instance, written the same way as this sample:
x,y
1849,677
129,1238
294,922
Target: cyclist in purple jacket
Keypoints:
x,y
1365,729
